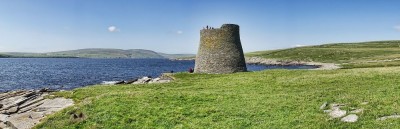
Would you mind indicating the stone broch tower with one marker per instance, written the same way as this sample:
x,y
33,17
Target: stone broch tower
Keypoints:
x,y
220,51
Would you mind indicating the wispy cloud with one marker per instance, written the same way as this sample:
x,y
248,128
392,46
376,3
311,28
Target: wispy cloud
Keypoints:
x,y
113,29
397,27
299,45
179,32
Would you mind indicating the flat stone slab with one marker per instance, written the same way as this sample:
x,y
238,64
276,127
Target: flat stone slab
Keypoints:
x,y
25,120
389,117
25,109
337,113
350,118
357,111
50,106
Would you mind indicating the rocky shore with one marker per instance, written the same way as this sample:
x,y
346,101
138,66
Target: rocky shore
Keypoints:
x,y
263,61
164,78
23,109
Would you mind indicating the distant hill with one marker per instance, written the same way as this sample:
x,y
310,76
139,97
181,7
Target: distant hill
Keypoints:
x,y
4,56
99,53
177,56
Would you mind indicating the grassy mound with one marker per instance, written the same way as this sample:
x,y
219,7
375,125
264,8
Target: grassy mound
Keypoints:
x,y
265,99
349,55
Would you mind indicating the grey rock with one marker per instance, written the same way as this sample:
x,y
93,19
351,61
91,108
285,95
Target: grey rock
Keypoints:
x,y
24,120
350,118
323,106
120,82
12,110
337,113
143,80
389,117
327,111
109,82
2,125
164,81
3,117
131,81
156,79
335,105
357,111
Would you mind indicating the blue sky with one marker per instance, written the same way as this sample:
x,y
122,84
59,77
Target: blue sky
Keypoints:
x,y
172,26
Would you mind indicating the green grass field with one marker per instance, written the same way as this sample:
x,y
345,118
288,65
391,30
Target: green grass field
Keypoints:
x,y
264,99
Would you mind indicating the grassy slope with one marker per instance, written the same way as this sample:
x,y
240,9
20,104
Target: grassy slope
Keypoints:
x,y
350,55
3,56
265,99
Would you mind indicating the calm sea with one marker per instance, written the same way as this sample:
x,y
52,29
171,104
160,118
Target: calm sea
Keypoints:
x,y
69,73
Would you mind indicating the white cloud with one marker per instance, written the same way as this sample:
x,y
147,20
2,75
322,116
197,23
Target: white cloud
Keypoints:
x,y
397,27
179,32
113,29
299,45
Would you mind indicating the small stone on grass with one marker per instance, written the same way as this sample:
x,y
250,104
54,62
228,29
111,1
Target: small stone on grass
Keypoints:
x,y
350,118
337,113
323,106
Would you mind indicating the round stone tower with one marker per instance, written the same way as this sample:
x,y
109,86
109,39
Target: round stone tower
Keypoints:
x,y
220,51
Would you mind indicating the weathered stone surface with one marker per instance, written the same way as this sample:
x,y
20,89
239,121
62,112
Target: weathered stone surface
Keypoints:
x,y
163,81
109,82
120,82
2,125
25,120
323,106
389,117
24,109
143,80
350,118
11,110
357,111
3,117
131,81
220,51
50,106
337,113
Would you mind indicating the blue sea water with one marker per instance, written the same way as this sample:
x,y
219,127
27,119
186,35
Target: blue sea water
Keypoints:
x,y
69,73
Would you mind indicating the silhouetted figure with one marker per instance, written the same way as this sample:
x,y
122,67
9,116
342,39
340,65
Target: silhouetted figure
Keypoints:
x,y
172,71
207,27
190,70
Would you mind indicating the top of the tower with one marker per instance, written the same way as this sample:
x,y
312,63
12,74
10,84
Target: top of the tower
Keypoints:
x,y
229,26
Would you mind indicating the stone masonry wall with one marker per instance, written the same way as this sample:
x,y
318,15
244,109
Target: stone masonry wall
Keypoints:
x,y
220,51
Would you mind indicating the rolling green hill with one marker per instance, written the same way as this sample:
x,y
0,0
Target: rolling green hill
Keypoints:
x,y
4,56
99,53
108,53
349,55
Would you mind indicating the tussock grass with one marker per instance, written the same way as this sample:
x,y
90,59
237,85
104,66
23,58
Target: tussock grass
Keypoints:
x,y
264,99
